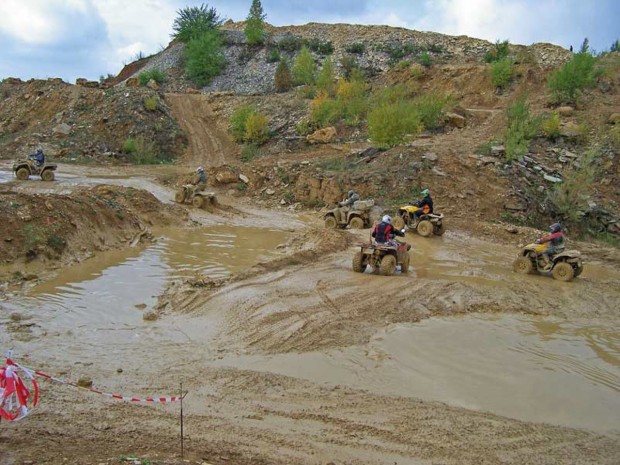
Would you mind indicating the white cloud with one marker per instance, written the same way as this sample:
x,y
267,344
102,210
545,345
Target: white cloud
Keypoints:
x,y
33,21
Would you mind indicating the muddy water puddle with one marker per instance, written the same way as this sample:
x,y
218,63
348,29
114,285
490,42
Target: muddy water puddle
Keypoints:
x,y
534,369
103,298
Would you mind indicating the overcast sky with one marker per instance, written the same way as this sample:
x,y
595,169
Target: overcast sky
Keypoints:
x,y
90,38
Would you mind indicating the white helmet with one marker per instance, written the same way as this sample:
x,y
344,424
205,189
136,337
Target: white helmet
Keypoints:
x,y
200,169
387,219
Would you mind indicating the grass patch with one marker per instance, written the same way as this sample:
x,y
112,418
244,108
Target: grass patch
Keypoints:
x,y
155,74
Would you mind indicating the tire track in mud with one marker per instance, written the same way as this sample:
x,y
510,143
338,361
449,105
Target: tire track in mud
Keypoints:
x,y
209,144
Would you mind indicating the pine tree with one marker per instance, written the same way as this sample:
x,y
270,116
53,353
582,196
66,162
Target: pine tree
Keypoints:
x,y
255,24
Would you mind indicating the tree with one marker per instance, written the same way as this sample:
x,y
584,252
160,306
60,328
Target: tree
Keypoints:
x,y
283,80
304,68
615,47
255,24
192,22
585,46
325,81
204,58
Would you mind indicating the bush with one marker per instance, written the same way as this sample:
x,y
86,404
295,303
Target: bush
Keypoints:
x,y
255,24
323,110
550,126
425,59
325,81
501,73
129,146
320,47
283,80
248,125
150,103
192,22
499,51
303,127
290,43
249,152
357,47
304,69
155,74
521,129
389,124
204,58
431,109
348,64
141,151
273,55
568,82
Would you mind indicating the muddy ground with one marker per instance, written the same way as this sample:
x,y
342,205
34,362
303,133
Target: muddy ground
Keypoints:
x,y
215,335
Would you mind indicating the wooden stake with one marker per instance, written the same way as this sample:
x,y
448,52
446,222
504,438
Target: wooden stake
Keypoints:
x,y
182,421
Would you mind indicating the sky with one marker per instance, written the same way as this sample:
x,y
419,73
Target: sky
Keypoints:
x,y
91,38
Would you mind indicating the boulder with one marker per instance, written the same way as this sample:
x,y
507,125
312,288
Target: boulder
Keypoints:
x,y
498,150
63,129
553,179
566,111
614,118
152,84
455,120
571,130
322,136
132,82
226,177
244,178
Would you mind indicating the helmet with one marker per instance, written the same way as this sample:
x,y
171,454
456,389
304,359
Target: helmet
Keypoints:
x,y
351,193
555,227
200,169
387,219
425,192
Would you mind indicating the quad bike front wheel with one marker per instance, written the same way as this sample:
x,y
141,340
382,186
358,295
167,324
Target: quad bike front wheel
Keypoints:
x,y
47,175
359,264
356,223
197,201
425,228
563,271
388,265
330,222
22,174
398,222
179,196
439,229
523,265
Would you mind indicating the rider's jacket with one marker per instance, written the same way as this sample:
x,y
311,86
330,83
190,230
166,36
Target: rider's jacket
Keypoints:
x,y
426,202
350,201
384,232
556,239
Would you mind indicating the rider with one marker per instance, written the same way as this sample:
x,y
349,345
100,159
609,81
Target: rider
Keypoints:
x,y
38,157
384,232
556,240
346,205
425,205
200,180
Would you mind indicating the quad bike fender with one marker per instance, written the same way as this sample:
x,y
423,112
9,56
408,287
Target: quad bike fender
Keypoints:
x,y
534,247
570,256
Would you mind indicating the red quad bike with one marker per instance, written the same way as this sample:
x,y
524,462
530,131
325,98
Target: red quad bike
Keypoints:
x,y
383,258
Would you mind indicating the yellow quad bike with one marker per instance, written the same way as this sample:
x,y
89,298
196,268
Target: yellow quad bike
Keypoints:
x,y
563,266
199,199
425,225
383,258
25,168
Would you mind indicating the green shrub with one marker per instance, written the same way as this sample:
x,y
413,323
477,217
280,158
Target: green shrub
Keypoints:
x,y
348,64
290,43
501,73
521,129
319,46
403,64
304,68
425,59
303,127
389,124
155,74
255,24
323,111
568,82
129,146
550,126
615,46
204,58
248,125
249,152
273,55
142,152
431,108
150,103
499,51
325,82
307,91
192,22
356,47
237,122
283,80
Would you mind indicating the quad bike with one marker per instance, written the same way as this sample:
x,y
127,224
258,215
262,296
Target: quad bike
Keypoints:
x,y
360,216
24,168
563,266
425,224
383,258
188,194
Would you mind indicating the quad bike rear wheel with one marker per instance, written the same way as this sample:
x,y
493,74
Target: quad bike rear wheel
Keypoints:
x,y
359,264
388,265
330,222
425,228
356,223
404,266
523,265
398,222
179,196
197,201
47,175
22,174
563,271
439,229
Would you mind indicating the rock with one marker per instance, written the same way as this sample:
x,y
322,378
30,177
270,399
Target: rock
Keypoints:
x,y
150,315
550,178
63,129
269,191
569,154
438,172
226,177
614,118
613,228
191,90
322,136
152,84
244,178
86,83
132,82
488,160
497,150
455,120
119,370
571,130
282,202
511,230
566,111
430,156
85,382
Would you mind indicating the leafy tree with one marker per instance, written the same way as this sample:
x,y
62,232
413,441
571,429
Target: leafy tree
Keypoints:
x,y
568,82
204,58
255,24
192,22
501,73
615,47
498,52
325,81
283,80
389,124
304,68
